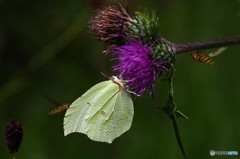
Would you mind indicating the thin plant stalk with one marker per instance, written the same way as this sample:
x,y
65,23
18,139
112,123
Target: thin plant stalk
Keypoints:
x,y
188,47
171,110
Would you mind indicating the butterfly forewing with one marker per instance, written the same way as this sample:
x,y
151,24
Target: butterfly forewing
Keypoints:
x,y
75,115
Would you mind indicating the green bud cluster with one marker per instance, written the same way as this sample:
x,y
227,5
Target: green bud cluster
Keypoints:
x,y
163,52
144,25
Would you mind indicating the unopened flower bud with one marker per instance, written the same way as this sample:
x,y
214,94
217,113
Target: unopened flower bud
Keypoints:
x,y
13,136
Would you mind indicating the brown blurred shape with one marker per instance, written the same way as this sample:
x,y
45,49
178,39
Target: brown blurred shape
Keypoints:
x,y
96,4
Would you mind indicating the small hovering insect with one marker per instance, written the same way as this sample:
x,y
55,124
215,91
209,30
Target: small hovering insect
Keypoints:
x,y
59,109
200,57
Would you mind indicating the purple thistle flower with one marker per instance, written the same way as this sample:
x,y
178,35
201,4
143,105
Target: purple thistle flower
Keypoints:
x,y
13,136
137,65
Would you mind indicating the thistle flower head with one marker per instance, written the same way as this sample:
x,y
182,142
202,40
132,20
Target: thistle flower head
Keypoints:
x,y
114,24
110,23
13,136
139,65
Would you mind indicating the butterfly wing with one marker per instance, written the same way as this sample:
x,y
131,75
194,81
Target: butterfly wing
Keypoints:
x,y
74,119
102,113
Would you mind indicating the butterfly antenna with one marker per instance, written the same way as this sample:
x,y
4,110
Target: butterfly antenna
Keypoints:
x,y
104,72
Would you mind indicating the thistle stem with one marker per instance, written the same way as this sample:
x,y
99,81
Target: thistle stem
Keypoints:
x,y
181,48
171,110
177,134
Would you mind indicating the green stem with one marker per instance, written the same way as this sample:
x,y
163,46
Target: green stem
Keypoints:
x,y
171,110
177,134
14,156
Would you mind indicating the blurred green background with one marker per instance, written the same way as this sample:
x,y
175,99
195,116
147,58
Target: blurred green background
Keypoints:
x,y
46,51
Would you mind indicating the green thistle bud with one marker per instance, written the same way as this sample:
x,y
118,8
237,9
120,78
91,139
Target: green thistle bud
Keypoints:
x,y
144,25
162,51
